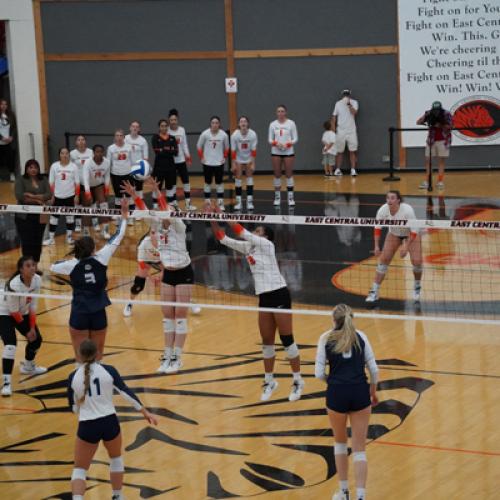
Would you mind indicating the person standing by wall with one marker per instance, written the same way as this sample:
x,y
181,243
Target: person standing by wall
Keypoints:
x,y
7,135
439,121
344,124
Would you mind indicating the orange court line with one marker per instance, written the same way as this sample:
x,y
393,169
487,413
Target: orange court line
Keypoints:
x,y
438,448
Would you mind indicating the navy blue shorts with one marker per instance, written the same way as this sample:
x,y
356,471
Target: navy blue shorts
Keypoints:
x,y
104,428
88,321
345,398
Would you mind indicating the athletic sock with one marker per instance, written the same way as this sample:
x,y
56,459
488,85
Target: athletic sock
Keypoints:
x,y
360,493
268,378
297,377
344,485
376,286
177,352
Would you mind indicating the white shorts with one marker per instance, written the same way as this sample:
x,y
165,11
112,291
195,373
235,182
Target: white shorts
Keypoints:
x,y
439,149
349,138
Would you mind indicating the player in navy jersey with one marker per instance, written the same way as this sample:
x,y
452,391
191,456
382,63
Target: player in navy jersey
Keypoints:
x,y
347,351
88,276
90,396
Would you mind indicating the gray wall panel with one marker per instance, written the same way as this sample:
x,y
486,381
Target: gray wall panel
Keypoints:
x,y
290,24
309,87
102,96
168,25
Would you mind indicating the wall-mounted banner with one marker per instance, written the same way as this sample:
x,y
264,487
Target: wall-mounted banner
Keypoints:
x,y
449,51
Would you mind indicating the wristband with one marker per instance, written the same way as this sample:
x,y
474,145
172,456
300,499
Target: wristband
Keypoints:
x,y
238,228
377,231
77,189
220,234
254,153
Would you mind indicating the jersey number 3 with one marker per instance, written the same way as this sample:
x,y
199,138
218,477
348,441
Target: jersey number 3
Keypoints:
x,y
97,384
90,278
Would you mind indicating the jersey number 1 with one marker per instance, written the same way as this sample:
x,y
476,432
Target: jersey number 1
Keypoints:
x,y
97,384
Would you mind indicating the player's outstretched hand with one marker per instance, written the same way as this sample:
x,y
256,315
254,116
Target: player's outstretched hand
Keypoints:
x,y
152,183
152,420
124,208
128,187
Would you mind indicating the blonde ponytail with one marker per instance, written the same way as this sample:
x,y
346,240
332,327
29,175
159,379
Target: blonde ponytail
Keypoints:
x,y
343,337
88,354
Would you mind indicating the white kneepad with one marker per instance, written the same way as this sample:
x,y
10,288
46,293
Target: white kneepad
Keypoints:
x,y
9,352
116,465
268,351
340,448
292,351
359,456
168,325
382,268
79,473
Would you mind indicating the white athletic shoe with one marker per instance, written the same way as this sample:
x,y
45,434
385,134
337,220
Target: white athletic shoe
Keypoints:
x,y
353,172
174,205
277,199
341,495
268,389
29,368
220,204
49,242
106,235
417,291
174,366
189,206
165,362
440,185
291,201
296,392
423,185
6,390
127,310
372,296
237,206
196,309
78,226
250,203
12,177
337,172
69,239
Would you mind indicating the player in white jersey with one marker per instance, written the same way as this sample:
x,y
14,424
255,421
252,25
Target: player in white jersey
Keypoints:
x,y
64,181
119,155
182,159
90,396
406,238
140,149
79,156
148,255
177,280
213,148
244,151
282,137
271,288
19,313
96,179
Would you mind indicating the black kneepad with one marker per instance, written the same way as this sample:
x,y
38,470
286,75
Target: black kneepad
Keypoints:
x,y
286,340
138,286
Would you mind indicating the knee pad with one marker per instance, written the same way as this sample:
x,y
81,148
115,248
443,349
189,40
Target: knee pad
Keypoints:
x,y
104,205
340,448
53,220
286,340
181,326
277,182
219,188
237,183
359,456
206,188
116,465
168,325
70,219
417,269
79,474
138,286
290,182
382,268
250,181
171,192
268,351
9,352
292,351
187,187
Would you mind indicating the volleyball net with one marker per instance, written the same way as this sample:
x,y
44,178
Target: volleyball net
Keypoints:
x,y
324,260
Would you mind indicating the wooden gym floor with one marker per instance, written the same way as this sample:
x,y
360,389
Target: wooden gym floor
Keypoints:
x,y
434,435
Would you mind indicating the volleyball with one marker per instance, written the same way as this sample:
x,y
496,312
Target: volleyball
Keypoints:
x,y
140,170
